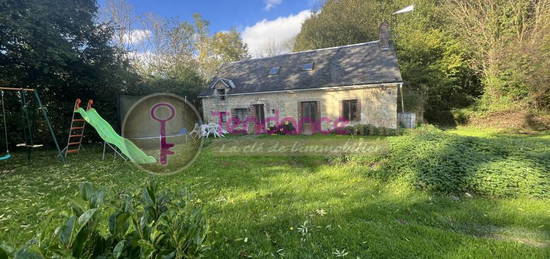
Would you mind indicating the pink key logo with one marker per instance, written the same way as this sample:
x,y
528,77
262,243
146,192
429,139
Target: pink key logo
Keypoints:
x,y
164,146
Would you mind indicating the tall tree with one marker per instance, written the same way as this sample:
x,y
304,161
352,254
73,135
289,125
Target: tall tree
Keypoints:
x,y
432,63
510,42
222,48
56,46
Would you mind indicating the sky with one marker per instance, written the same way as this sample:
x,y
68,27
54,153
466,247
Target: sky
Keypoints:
x,y
262,23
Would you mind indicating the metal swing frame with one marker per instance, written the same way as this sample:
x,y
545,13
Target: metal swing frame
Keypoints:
x,y
44,113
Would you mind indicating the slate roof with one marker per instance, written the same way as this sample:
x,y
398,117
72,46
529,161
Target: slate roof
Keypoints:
x,y
357,64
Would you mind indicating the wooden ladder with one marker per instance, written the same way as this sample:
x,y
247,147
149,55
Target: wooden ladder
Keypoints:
x,y
76,131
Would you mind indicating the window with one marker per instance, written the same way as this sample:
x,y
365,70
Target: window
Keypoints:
x,y
350,110
221,93
274,70
307,67
240,113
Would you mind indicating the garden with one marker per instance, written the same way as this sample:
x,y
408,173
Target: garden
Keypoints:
x,y
428,193
450,191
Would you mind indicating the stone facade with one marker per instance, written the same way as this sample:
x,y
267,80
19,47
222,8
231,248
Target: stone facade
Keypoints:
x,y
377,104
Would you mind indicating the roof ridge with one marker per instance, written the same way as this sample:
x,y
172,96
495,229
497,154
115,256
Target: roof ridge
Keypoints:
x,y
306,51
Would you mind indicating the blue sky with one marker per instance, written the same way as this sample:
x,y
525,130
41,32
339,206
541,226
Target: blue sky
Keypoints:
x,y
261,22
223,14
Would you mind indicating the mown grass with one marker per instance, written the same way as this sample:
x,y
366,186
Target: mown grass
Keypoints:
x,y
292,206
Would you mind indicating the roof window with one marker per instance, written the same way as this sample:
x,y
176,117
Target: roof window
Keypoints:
x,y
307,66
274,70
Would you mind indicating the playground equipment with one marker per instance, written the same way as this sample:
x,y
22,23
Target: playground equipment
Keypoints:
x,y
27,130
107,133
76,130
7,155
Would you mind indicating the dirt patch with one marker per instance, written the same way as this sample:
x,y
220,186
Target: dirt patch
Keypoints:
x,y
520,120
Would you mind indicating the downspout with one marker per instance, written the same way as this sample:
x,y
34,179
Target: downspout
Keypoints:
x,y
402,103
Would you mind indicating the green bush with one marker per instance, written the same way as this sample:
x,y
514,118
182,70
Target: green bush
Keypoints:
x,y
150,224
369,130
500,167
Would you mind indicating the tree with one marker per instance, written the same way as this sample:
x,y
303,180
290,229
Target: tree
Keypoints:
x,y
170,44
223,47
275,48
509,42
343,22
434,66
56,46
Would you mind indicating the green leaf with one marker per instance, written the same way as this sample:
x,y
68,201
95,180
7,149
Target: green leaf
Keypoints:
x,y
169,256
28,253
149,195
118,223
86,189
86,216
119,249
3,253
7,249
77,208
65,231
83,233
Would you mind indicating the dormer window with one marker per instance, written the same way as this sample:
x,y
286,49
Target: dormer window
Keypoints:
x,y
221,93
307,67
274,70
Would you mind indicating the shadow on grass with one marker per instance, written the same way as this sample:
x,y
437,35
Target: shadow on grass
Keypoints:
x,y
377,222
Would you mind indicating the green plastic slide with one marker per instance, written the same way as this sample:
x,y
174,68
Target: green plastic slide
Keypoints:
x,y
108,134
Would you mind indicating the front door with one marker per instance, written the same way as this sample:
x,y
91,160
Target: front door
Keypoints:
x,y
309,116
259,114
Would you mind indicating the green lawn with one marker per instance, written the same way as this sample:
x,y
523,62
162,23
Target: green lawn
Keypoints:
x,y
293,206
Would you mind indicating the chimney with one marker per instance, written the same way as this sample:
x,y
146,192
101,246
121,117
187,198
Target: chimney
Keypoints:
x,y
384,35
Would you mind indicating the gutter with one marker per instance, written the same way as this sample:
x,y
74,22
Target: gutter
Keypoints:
x,y
344,87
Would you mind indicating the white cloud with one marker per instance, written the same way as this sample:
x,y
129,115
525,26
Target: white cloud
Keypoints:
x,y
136,36
272,3
269,37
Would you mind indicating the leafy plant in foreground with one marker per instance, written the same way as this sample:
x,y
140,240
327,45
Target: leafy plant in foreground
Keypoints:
x,y
150,224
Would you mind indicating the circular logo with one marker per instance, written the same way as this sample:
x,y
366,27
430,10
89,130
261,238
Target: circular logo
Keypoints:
x,y
162,133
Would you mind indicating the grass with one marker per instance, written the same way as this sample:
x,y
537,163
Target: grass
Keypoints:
x,y
293,206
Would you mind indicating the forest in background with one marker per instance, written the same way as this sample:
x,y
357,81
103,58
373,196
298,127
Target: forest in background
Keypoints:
x,y
458,58
70,49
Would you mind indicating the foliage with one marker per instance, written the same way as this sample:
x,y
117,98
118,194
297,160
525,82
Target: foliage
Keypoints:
x,y
285,128
64,58
257,202
452,54
180,57
436,161
151,224
366,130
342,23
223,47
172,48
508,41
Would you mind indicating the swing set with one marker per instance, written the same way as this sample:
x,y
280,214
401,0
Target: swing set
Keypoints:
x,y
27,130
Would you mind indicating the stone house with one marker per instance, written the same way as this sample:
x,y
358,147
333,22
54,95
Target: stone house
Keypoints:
x,y
315,90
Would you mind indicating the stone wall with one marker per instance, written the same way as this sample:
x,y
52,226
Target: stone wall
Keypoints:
x,y
378,104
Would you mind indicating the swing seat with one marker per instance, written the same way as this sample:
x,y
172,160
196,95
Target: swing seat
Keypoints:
x,y
31,146
5,157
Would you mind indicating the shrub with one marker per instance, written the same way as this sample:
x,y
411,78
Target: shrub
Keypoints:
x,y
365,130
285,128
150,224
437,161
